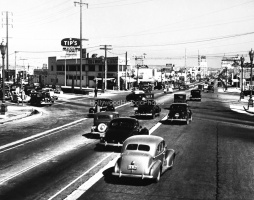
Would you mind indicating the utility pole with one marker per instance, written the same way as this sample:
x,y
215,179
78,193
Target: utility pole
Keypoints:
x,y
7,43
105,47
80,4
126,63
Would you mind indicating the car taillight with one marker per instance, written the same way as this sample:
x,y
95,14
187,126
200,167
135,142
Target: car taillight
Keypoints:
x,y
177,115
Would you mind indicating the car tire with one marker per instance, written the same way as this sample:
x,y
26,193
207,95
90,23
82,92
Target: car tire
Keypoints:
x,y
187,121
157,179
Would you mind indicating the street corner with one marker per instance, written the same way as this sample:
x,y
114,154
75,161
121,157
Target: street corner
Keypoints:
x,y
14,113
242,108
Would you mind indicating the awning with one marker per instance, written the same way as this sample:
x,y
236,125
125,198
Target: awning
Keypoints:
x,y
108,79
129,79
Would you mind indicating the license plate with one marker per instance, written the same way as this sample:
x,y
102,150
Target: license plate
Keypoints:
x,y
132,167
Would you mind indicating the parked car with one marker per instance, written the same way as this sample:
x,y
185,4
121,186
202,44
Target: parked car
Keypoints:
x,y
195,95
120,129
147,108
144,157
209,88
102,104
168,90
180,112
41,98
101,122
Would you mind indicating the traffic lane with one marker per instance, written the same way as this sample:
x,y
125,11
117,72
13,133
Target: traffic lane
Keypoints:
x,y
193,175
217,107
21,159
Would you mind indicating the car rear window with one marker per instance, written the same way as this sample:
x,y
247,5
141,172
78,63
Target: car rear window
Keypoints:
x,y
140,147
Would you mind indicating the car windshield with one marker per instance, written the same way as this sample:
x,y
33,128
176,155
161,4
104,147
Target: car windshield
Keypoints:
x,y
140,147
103,117
103,102
122,124
178,107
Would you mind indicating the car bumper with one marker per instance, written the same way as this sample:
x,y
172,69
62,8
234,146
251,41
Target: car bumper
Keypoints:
x,y
104,143
143,114
177,119
142,176
195,99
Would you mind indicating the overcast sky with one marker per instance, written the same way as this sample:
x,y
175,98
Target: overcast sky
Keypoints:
x,y
164,30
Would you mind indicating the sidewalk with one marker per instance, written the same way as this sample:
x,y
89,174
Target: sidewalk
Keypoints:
x,y
240,105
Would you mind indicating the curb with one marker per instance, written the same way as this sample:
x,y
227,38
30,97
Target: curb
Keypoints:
x,y
18,117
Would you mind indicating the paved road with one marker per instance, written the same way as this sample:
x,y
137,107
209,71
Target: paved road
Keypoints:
x,y
213,156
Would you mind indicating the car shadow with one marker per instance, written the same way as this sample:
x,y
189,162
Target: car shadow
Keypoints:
x,y
101,148
109,178
168,122
91,135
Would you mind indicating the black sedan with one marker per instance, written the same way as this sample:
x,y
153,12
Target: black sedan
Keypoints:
x,y
180,112
120,129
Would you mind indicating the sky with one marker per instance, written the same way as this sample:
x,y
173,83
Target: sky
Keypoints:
x,y
161,31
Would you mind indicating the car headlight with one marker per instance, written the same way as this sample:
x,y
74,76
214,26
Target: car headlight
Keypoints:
x,y
135,109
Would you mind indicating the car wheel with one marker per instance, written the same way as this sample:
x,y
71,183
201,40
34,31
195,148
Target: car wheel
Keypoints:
x,y
187,121
158,177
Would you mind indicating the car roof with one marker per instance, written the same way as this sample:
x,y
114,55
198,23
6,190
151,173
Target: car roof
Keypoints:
x,y
106,113
145,139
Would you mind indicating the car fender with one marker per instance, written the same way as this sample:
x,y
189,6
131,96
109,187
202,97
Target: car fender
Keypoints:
x,y
169,157
155,168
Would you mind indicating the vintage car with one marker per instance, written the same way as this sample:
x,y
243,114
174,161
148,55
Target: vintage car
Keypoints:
x,y
51,91
144,157
180,112
101,122
41,98
168,90
209,88
195,95
102,104
135,95
120,129
147,107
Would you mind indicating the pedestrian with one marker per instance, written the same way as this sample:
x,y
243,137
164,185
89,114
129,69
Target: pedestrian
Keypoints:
x,y
95,92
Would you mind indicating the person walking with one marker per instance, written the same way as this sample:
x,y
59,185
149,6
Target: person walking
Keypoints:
x,y
95,92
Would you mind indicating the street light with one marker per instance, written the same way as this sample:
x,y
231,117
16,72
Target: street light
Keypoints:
x,y
3,106
251,86
241,94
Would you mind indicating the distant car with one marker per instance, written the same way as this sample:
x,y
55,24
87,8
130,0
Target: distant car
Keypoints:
x,y
120,129
247,92
195,95
168,90
180,112
41,98
135,95
209,89
147,107
180,98
144,157
102,104
101,122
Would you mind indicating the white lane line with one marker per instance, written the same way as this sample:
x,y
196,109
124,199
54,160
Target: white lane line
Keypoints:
x,y
40,134
84,187
60,191
90,182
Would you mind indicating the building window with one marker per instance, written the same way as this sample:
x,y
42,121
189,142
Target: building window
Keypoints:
x,y
112,68
52,68
120,68
59,68
100,68
91,68
72,68
90,78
